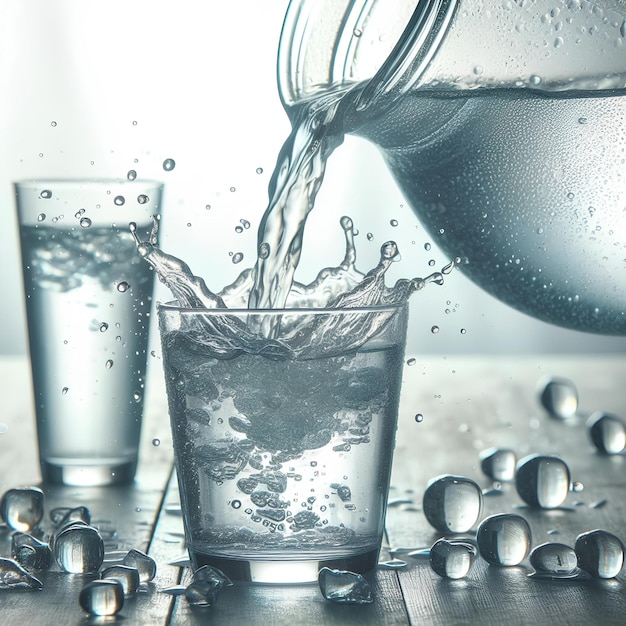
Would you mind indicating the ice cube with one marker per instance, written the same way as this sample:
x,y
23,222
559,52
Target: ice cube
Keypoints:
x,y
207,584
145,564
30,552
127,576
102,597
62,516
79,549
345,587
14,576
22,509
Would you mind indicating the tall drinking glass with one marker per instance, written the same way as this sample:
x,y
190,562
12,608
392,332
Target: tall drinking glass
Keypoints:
x,y
283,424
88,300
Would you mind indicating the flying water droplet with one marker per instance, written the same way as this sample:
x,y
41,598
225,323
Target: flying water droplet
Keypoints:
x,y
607,432
419,418
600,553
22,509
102,597
237,257
123,286
79,549
119,200
559,397
109,364
542,481
554,560
498,463
142,198
14,576
434,330
46,194
259,170
452,504
169,165
156,442
127,576
131,175
145,564
452,558
85,222
393,223
104,327
504,539
344,587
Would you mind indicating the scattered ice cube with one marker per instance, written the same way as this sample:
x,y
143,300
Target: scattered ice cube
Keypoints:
x,y
145,564
207,584
600,553
504,539
498,463
542,481
452,503
607,432
344,587
554,560
127,576
22,509
31,553
559,397
102,597
14,576
62,516
79,549
452,558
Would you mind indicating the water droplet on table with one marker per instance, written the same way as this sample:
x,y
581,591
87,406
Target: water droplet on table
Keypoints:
x,y
607,432
559,397
504,539
145,564
344,587
14,576
600,553
452,503
498,463
127,576
79,549
102,597
542,481
452,558
22,509
554,560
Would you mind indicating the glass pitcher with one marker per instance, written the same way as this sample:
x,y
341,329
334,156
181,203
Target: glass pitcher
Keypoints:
x,y
504,124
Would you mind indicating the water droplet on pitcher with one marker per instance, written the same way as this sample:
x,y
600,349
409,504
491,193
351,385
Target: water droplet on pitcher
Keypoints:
x,y
109,364
419,418
504,539
14,576
434,330
79,549
131,175
142,198
559,397
452,503
600,553
607,432
127,576
394,223
498,463
156,442
554,560
102,597
145,565
65,390
344,587
104,327
542,481
452,558
410,362
22,509
123,286
119,200
169,165
46,194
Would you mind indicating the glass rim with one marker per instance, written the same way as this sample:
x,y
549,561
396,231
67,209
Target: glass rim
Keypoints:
x,y
173,306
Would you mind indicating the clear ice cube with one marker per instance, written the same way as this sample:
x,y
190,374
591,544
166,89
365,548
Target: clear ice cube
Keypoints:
x,y
14,576
554,560
452,558
345,587
127,576
207,584
504,539
102,597
63,516
22,509
542,481
145,565
600,553
79,549
607,432
452,504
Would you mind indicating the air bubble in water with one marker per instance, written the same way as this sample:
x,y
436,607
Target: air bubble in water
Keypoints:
x,y
600,553
498,463
554,560
142,198
559,397
452,503
542,481
169,165
504,539
102,597
452,558
46,193
22,509
123,286
79,549
119,200
131,175
607,432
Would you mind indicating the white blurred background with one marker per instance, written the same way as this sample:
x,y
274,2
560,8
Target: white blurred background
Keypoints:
x,y
96,88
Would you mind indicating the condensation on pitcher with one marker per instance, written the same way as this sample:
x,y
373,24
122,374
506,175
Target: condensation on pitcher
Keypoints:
x,y
119,200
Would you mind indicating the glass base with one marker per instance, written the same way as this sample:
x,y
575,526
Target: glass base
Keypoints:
x,y
88,475
283,572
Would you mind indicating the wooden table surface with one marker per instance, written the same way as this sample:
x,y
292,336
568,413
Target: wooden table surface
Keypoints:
x,y
468,404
